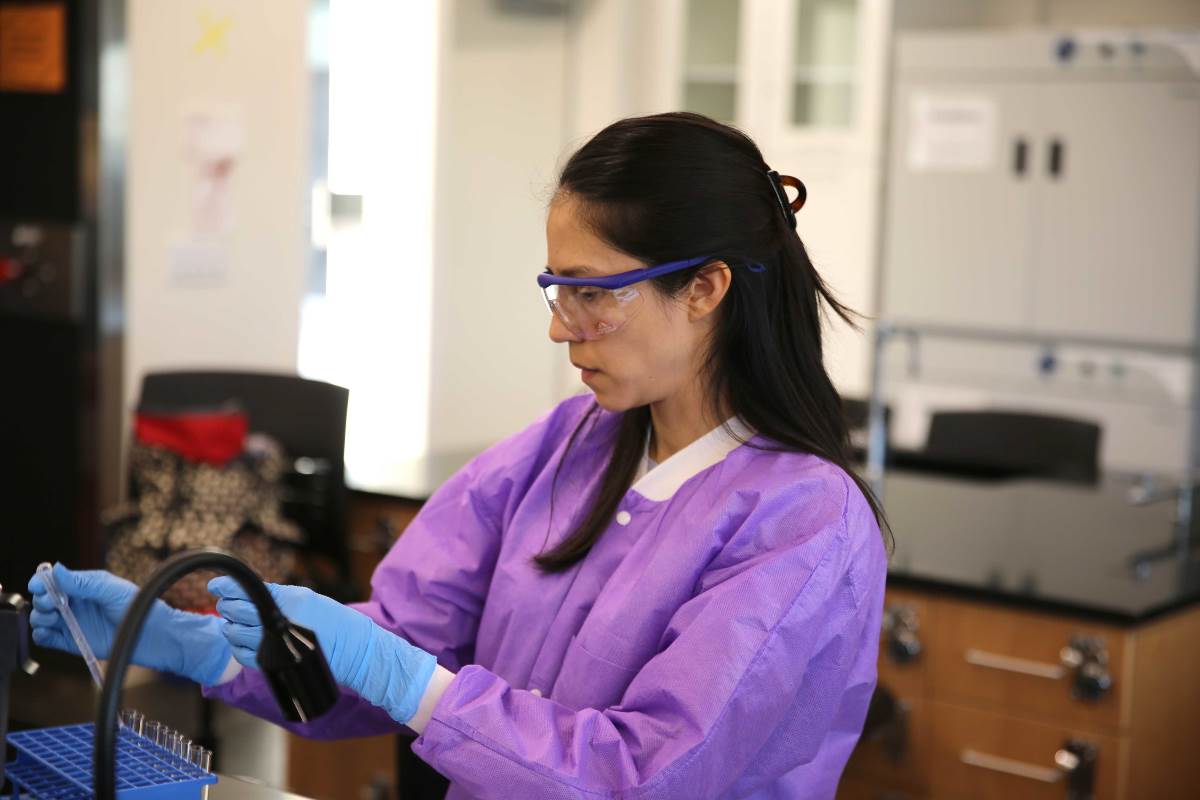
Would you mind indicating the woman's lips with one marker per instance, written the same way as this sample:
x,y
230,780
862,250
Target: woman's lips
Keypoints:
x,y
586,372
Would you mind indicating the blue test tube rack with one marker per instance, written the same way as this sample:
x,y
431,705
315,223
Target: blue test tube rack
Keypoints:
x,y
56,764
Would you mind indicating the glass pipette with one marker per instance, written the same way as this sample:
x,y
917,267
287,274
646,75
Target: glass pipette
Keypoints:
x,y
46,570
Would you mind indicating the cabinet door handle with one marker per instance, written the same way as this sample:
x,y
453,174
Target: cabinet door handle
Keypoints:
x,y
1008,766
1020,156
1054,163
1024,666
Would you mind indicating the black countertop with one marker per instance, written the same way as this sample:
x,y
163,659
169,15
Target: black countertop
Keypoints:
x,y
1057,546
413,480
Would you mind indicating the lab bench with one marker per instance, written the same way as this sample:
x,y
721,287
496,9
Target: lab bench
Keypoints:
x,y
1027,652
231,788
1021,641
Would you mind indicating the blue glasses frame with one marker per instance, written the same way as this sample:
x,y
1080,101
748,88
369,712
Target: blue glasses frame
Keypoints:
x,y
622,279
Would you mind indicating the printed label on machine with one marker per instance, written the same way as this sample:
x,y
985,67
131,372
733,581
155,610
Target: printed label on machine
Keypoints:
x,y
951,132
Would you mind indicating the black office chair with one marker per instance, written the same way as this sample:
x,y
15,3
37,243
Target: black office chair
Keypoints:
x,y
857,414
307,417
1013,444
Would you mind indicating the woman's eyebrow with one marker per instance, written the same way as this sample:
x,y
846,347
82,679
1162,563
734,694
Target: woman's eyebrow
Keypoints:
x,y
571,272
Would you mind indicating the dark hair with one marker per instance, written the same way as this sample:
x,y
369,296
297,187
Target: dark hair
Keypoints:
x,y
680,185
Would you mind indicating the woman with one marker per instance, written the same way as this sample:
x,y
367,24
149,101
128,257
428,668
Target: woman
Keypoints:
x,y
669,588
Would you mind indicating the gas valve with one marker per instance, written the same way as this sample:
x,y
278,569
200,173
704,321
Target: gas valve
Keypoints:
x,y
900,624
1088,657
1077,760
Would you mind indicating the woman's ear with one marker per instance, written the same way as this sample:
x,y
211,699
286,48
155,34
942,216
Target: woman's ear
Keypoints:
x,y
707,290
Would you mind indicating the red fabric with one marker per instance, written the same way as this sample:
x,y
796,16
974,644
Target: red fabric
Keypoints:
x,y
213,437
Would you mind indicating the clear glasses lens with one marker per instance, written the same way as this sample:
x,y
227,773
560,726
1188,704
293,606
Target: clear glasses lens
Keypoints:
x,y
590,312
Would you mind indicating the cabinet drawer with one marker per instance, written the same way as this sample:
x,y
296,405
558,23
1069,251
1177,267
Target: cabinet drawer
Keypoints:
x,y
980,755
1011,661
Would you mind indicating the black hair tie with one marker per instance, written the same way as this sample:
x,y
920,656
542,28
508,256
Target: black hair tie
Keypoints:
x,y
786,207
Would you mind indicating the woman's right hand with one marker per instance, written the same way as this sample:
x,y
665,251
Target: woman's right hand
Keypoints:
x,y
174,641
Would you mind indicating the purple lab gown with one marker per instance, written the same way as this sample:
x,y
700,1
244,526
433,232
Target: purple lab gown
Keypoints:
x,y
721,643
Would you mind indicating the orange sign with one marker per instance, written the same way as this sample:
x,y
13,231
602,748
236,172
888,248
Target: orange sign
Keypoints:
x,y
32,47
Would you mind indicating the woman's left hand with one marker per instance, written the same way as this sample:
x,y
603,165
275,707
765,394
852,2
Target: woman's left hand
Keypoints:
x,y
378,665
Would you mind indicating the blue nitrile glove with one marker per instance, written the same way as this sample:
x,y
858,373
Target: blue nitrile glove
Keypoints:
x,y
175,641
381,667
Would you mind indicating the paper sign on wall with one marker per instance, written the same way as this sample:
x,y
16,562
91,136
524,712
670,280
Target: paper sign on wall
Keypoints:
x,y
211,148
32,51
212,145
951,132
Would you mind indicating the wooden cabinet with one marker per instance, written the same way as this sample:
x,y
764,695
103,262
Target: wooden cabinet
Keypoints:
x,y
994,705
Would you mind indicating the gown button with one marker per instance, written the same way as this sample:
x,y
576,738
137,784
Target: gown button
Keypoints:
x,y
536,692
623,517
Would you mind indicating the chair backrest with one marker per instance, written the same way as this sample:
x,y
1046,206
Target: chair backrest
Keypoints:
x,y
857,414
307,417
1016,444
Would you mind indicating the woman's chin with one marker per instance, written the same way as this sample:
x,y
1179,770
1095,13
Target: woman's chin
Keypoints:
x,y
610,402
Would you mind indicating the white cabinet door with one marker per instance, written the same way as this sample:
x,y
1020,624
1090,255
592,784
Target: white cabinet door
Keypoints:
x,y
958,227
713,66
1116,251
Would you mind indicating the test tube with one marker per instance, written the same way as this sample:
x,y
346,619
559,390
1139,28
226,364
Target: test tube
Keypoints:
x,y
132,720
154,731
202,759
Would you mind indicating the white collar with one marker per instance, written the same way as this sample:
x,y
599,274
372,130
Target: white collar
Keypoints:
x,y
665,479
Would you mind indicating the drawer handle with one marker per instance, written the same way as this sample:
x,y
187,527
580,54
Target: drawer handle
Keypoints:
x,y
1024,666
1008,766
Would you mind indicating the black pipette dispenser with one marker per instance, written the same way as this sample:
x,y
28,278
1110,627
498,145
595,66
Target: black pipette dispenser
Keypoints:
x,y
14,655
290,656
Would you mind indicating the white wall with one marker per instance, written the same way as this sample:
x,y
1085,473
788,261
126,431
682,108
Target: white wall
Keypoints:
x,y
370,329
245,312
501,133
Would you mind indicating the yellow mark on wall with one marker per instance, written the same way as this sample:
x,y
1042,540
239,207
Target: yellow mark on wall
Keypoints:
x,y
212,33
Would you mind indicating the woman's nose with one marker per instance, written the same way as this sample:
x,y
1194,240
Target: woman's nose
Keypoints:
x,y
560,333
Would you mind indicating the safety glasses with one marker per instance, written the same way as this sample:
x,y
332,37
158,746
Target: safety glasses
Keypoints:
x,y
595,306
